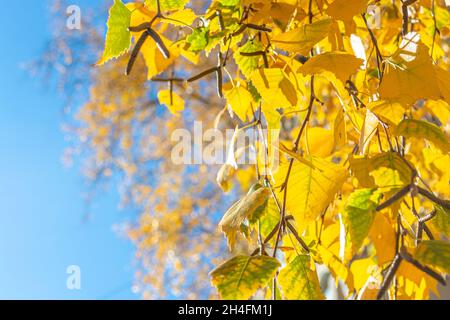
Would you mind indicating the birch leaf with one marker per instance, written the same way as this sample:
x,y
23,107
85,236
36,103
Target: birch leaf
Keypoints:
x,y
240,277
298,281
118,38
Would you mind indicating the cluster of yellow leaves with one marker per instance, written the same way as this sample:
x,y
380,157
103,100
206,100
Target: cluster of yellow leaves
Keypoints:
x,y
362,113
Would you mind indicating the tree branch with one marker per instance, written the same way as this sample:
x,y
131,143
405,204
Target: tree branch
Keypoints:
x,y
427,194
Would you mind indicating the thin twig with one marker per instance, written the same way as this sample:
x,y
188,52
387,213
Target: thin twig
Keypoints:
x,y
400,194
389,276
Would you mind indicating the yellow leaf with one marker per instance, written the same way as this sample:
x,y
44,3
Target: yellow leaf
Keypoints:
x,y
296,155
368,131
239,101
440,109
154,59
391,112
342,64
362,270
383,236
166,5
274,87
443,79
320,142
310,190
181,17
302,39
412,80
335,265
339,129
407,272
414,284
345,10
172,100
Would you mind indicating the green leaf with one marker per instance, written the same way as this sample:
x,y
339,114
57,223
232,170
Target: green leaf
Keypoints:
x,y
410,128
358,215
198,39
248,64
118,37
298,281
442,220
434,253
166,5
240,277
254,92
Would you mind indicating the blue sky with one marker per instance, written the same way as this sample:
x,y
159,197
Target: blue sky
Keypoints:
x,y
42,230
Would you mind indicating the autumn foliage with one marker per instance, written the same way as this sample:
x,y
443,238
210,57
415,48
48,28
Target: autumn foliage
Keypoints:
x,y
358,92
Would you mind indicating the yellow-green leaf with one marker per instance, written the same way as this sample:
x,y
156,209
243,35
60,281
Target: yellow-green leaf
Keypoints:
x,y
245,63
434,253
385,170
358,215
410,128
298,281
198,39
240,277
269,217
166,5
442,220
118,37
